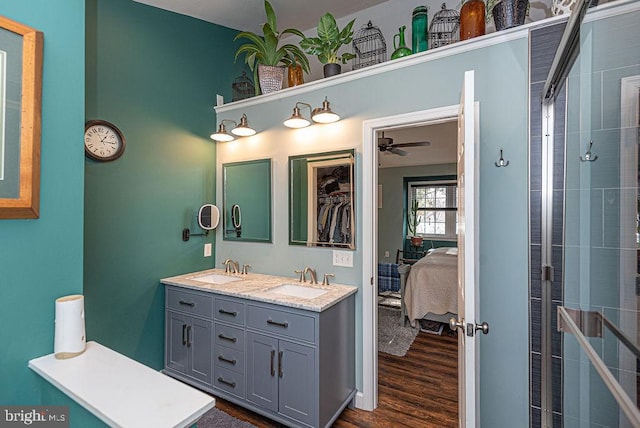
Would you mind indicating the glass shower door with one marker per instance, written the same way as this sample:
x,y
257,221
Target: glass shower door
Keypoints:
x,y
601,276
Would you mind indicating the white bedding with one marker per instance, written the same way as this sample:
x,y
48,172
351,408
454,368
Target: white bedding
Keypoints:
x,y
432,285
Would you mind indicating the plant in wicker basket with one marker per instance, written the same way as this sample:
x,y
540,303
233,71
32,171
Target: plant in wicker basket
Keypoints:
x,y
265,52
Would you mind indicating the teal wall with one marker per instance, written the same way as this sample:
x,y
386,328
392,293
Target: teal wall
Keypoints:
x,y
501,73
41,260
154,74
391,217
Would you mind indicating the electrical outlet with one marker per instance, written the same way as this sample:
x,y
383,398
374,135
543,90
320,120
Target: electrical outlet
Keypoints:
x,y
342,258
207,250
386,254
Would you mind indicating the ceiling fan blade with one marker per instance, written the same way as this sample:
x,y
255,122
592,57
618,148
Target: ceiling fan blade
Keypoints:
x,y
398,152
413,144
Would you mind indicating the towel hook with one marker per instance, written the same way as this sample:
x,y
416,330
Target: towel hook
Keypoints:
x,y
501,162
588,156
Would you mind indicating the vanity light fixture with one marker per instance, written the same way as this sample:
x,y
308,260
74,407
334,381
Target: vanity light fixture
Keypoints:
x,y
241,130
222,134
324,114
297,120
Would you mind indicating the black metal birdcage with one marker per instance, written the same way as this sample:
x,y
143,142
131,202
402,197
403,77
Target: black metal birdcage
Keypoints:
x,y
444,28
369,46
242,87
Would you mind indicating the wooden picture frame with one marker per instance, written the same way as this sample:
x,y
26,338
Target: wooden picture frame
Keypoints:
x,y
22,199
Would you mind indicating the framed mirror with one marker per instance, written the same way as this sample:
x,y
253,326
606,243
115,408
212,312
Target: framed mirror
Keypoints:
x,y
321,200
246,201
20,119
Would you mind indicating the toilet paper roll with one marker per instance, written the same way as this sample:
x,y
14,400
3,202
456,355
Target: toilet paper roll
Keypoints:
x,y
69,340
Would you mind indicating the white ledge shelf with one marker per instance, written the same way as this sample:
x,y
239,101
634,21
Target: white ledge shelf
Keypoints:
x,y
122,392
408,61
606,10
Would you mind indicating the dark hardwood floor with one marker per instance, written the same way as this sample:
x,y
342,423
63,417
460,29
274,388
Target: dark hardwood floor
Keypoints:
x,y
417,390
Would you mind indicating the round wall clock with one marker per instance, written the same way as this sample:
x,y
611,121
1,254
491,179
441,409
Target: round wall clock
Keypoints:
x,y
103,141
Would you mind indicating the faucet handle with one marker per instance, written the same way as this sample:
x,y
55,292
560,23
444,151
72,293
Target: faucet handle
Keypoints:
x,y
245,269
325,280
301,272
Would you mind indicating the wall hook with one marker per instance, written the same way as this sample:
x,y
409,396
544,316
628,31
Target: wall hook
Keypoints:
x,y
501,162
588,156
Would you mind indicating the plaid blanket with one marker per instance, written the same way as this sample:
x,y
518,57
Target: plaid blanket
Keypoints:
x,y
388,277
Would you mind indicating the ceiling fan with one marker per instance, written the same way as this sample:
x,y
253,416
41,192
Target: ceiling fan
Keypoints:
x,y
386,144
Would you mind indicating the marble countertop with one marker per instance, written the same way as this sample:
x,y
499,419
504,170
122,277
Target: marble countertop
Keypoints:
x,y
255,286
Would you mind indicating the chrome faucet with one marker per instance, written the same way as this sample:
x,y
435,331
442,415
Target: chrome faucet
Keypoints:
x,y
312,273
231,266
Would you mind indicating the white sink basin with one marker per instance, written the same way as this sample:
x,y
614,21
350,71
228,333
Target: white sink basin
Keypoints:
x,y
214,278
294,290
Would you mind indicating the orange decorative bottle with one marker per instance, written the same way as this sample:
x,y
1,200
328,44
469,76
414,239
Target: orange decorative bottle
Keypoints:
x,y
472,19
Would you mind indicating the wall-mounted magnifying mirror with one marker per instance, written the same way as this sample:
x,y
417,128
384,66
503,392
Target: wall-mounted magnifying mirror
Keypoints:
x,y
208,217
236,220
247,201
321,200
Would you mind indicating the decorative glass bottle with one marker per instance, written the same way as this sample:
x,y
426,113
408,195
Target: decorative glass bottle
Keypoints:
x,y
400,47
294,75
472,19
419,21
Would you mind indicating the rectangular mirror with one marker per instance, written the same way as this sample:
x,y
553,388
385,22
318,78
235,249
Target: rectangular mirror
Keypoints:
x,y
321,200
246,201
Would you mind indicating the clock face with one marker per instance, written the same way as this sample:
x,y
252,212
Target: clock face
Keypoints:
x,y
103,141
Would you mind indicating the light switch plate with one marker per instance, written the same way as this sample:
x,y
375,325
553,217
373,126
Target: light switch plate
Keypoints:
x,y
207,250
343,258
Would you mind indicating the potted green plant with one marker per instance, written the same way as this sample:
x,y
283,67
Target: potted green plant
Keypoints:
x,y
265,52
330,39
412,224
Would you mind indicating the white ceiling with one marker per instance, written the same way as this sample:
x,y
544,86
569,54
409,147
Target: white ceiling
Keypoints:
x,y
250,15
443,147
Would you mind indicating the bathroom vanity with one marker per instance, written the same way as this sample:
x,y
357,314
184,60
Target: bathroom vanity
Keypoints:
x,y
279,347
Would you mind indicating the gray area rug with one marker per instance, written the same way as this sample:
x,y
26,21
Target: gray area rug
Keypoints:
x,y
216,418
392,337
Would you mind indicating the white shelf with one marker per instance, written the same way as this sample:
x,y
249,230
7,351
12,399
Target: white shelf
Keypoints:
x,y
122,392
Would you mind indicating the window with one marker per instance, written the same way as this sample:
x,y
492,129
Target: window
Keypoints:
x,y
437,208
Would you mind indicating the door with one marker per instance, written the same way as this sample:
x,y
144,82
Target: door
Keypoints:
x,y
468,367
598,317
199,345
297,376
262,370
176,341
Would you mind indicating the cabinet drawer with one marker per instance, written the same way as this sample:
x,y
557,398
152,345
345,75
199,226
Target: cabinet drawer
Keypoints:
x,y
229,358
229,311
284,323
189,302
229,381
231,337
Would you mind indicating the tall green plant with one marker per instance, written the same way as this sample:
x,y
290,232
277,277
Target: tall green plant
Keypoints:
x,y
329,41
265,50
413,219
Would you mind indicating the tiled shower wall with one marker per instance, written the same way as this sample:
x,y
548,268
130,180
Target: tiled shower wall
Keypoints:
x,y
543,44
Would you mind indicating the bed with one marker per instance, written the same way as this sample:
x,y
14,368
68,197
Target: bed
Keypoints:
x,y
429,287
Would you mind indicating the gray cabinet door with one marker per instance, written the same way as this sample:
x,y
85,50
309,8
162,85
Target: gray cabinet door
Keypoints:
x,y
200,350
297,381
262,370
175,349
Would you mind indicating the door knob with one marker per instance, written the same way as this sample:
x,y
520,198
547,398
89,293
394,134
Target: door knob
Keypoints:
x,y
484,327
453,324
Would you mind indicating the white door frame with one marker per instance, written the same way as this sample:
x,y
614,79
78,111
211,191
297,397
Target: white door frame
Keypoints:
x,y
367,399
